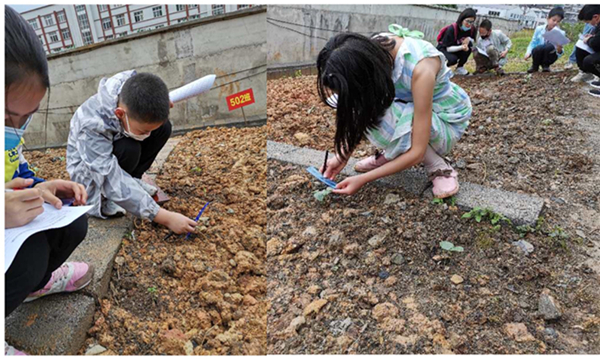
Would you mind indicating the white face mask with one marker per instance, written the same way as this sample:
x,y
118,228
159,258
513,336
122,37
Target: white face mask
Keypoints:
x,y
132,135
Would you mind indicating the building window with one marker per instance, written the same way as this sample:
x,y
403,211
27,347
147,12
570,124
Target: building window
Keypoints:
x,y
61,17
103,7
49,20
79,8
87,37
138,16
157,11
181,20
218,9
159,26
194,17
33,23
106,25
83,21
66,34
120,20
41,39
108,37
53,37
193,6
240,7
180,7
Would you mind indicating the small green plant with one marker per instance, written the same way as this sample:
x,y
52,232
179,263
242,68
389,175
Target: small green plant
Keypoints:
x,y
450,201
320,195
449,246
153,291
479,214
197,170
298,73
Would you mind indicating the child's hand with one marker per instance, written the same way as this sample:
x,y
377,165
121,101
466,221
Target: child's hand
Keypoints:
x,y
335,165
350,185
586,38
503,53
21,207
559,48
176,222
465,47
52,191
527,56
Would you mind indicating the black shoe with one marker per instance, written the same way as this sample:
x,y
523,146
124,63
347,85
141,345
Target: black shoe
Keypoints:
x,y
532,70
595,84
595,93
545,68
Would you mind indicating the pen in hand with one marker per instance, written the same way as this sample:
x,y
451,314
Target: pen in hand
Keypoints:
x,y
325,163
198,217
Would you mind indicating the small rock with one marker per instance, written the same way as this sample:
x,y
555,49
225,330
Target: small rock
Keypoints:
x,y
230,211
95,350
461,164
384,310
525,246
119,260
558,200
295,324
391,199
336,238
310,232
377,240
351,249
549,307
580,233
188,347
367,214
456,279
518,332
398,259
314,307
168,266
302,138
384,274
514,160
550,334
437,258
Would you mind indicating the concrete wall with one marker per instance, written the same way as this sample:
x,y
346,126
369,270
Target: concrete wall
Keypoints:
x,y
232,46
296,34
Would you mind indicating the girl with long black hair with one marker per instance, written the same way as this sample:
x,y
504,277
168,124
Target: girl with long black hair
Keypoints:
x,y
395,90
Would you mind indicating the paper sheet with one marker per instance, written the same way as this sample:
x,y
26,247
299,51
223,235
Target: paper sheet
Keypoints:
x,y
582,45
50,219
192,89
556,37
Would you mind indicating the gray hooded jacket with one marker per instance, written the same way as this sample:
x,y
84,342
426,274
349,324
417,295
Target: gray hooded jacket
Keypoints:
x,y
90,159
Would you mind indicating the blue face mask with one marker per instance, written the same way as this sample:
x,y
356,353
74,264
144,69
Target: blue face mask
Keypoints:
x,y
12,136
464,28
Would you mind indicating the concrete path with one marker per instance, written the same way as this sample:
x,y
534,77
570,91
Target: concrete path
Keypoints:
x,y
57,324
519,208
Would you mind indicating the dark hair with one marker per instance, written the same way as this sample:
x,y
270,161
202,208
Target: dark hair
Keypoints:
x,y
486,24
557,11
23,53
359,70
146,97
588,11
466,13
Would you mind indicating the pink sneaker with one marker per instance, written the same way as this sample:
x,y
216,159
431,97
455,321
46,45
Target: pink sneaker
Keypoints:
x,y
370,163
445,183
70,277
9,350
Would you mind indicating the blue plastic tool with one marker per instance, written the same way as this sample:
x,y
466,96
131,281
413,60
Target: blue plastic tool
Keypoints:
x,y
315,172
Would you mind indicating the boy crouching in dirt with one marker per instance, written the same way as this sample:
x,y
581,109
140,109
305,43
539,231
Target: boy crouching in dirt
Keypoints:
x,y
114,138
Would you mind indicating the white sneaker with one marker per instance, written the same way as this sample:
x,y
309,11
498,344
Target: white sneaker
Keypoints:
x,y
151,190
568,65
111,209
461,71
583,77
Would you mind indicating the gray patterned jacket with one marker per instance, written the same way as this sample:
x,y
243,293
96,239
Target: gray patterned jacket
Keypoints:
x,y
90,159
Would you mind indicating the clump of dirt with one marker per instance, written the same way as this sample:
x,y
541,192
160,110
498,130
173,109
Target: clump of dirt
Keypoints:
x,y
207,294
366,274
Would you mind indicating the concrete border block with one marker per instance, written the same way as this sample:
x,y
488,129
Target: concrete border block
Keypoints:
x,y
519,208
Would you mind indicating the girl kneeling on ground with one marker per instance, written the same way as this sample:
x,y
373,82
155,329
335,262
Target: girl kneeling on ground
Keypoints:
x,y
39,267
394,89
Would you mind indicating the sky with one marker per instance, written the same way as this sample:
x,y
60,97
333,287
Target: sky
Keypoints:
x,y
21,8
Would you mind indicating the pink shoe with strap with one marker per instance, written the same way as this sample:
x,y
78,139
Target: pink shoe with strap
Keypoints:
x,y
445,183
10,350
370,163
69,277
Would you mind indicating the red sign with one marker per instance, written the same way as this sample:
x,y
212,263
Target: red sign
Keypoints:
x,y
240,99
